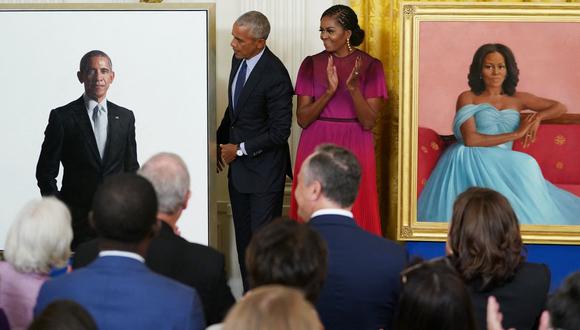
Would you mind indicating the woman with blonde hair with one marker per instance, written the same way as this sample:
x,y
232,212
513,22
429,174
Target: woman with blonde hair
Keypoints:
x,y
273,307
38,240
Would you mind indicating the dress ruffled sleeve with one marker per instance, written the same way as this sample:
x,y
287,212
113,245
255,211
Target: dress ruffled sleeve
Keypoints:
x,y
374,85
305,79
462,115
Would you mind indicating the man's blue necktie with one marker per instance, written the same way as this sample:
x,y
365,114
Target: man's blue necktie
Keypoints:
x,y
240,83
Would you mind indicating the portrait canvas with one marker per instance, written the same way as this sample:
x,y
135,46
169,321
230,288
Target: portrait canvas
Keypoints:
x,y
163,56
438,42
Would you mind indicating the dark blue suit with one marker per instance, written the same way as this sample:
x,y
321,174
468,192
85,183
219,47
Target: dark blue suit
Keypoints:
x,y
362,286
122,293
261,119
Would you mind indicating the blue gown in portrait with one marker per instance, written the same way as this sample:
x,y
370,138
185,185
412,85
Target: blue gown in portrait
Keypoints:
x,y
514,174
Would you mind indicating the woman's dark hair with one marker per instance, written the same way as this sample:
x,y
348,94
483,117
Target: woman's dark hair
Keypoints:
x,y
512,77
289,253
484,237
347,18
565,304
64,315
433,297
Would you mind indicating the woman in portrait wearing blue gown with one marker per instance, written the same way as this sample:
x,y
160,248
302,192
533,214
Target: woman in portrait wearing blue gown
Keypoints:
x,y
485,125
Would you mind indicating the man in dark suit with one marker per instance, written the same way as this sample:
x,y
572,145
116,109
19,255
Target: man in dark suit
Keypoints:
x,y
253,135
362,286
195,265
92,138
118,290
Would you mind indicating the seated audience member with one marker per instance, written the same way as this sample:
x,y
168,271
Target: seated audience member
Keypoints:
x,y
485,246
118,290
362,286
288,253
564,306
433,297
273,307
64,315
195,265
38,240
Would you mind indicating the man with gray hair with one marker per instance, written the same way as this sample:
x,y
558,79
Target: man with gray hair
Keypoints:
x,y
362,284
253,135
195,265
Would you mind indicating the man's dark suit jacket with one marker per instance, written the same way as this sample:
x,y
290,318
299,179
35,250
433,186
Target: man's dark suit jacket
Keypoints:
x,y
262,119
363,283
69,139
521,300
195,265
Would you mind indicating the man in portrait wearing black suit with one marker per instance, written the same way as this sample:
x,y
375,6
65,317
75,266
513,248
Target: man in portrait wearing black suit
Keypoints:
x,y
195,265
92,138
253,135
362,284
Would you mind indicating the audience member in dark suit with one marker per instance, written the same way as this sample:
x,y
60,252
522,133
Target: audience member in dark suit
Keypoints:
x,y
362,285
433,297
253,134
92,138
289,253
195,265
118,290
486,248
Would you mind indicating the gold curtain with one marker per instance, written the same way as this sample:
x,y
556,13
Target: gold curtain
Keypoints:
x,y
380,20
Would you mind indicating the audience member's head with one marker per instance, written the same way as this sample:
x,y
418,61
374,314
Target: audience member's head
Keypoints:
x,y
329,178
170,178
125,210
434,297
273,307
40,237
484,237
289,253
63,315
564,306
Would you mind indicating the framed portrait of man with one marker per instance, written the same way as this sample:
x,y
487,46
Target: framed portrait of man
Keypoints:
x,y
163,58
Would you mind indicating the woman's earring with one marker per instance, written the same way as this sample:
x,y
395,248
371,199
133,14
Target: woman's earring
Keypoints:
x,y
348,45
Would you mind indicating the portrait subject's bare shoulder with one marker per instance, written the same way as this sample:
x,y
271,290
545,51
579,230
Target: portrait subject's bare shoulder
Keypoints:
x,y
464,98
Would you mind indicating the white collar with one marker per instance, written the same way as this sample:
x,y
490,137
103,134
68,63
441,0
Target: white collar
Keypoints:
x,y
90,104
125,254
342,212
251,62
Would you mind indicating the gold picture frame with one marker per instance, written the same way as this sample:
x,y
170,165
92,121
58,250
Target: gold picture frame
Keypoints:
x,y
414,15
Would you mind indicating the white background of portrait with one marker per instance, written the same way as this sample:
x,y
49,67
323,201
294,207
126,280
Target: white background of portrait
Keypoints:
x,y
160,61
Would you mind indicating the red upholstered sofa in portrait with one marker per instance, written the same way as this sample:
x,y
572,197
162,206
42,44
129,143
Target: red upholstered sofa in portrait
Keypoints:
x,y
557,151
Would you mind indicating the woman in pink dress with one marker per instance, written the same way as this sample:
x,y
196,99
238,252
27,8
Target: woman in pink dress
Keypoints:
x,y
340,92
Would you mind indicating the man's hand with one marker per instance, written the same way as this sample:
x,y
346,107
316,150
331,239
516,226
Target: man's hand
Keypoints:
x,y
228,152
220,162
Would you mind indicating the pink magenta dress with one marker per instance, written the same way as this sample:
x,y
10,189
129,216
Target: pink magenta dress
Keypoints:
x,y
338,124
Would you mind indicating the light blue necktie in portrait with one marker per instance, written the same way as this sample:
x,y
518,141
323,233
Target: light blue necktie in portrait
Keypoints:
x,y
100,129
240,83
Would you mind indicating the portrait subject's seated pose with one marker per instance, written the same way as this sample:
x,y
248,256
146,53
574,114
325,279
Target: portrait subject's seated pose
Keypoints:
x,y
486,124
